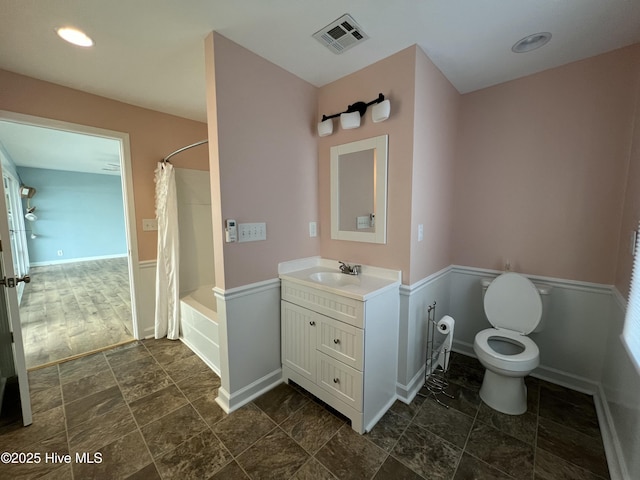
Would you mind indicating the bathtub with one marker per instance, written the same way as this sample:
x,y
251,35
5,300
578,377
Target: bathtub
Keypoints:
x,y
199,325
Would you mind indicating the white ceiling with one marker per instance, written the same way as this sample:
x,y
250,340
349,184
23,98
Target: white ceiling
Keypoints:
x,y
150,52
37,147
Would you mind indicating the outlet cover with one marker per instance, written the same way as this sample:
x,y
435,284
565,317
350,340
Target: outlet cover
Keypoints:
x,y
149,224
363,222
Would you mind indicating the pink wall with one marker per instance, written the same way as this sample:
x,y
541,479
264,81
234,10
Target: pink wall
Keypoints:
x,y
395,78
152,135
264,160
437,104
541,170
631,212
421,129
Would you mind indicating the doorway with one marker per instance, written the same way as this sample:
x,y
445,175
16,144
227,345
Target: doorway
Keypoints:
x,y
81,259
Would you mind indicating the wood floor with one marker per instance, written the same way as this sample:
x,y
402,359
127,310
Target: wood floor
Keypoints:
x,y
73,308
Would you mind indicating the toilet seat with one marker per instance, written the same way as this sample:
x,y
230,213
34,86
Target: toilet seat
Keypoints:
x,y
512,302
526,360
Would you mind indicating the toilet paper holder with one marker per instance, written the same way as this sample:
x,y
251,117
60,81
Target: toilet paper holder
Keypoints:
x,y
437,359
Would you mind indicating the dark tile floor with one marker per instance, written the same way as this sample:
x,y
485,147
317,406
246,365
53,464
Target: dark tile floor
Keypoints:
x,y
147,411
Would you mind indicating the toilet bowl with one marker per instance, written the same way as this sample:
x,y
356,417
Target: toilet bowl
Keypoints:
x,y
514,308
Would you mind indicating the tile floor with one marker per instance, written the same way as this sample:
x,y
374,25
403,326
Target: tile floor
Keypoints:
x,y
148,409
74,308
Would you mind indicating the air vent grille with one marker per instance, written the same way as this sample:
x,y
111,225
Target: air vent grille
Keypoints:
x,y
341,34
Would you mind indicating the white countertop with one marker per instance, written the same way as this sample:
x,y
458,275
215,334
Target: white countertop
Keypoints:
x,y
371,282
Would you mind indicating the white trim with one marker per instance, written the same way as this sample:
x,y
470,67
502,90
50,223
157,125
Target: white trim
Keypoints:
x,y
613,450
380,144
82,259
619,298
245,290
406,393
127,191
552,375
591,287
232,402
407,290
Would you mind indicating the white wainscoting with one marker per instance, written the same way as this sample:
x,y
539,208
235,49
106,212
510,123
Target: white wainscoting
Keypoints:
x,y
414,300
146,290
249,330
571,345
618,399
580,348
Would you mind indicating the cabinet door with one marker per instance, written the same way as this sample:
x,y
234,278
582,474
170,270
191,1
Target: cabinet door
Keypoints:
x,y
341,341
299,339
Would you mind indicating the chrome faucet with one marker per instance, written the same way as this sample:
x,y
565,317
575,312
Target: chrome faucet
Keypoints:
x,y
349,269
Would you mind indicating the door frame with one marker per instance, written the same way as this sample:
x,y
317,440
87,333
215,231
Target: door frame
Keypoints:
x,y
126,176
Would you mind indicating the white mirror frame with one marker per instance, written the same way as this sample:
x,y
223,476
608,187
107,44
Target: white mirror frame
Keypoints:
x,y
380,146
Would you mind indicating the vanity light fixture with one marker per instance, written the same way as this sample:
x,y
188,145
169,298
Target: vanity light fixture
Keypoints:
x,y
350,118
531,42
75,36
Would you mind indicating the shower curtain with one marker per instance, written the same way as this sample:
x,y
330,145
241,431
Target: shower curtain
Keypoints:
x,y
167,287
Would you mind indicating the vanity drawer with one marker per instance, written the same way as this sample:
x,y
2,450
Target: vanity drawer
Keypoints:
x,y
340,380
341,341
336,306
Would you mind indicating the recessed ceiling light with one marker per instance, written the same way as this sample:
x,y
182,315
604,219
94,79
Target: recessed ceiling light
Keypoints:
x,y
75,36
531,42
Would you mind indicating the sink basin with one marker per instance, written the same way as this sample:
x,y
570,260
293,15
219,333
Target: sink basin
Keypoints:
x,y
334,279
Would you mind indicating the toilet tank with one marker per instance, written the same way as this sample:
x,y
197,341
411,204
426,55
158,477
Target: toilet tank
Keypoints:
x,y
545,294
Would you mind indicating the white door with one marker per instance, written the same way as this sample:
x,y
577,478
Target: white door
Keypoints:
x,y
10,310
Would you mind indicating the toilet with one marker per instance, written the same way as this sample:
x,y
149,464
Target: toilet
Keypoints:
x,y
514,306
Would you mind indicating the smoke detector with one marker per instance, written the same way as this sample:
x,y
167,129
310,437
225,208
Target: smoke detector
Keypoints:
x,y
341,34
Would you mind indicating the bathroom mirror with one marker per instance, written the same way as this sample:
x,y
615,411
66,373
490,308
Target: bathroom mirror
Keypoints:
x,y
359,190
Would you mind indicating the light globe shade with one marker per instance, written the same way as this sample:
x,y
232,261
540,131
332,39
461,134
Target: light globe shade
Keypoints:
x,y
381,111
350,120
325,128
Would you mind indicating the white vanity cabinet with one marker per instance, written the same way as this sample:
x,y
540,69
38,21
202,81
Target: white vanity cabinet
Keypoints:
x,y
343,350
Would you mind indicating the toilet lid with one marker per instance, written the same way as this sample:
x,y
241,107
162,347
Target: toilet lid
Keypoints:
x,y
513,302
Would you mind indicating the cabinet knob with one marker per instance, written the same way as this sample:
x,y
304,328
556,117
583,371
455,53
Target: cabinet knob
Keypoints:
x,y
312,323
336,341
336,380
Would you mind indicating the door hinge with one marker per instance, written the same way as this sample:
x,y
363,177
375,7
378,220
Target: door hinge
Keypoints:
x,y
12,340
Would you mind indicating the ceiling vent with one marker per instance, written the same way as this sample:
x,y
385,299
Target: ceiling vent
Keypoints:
x,y
341,35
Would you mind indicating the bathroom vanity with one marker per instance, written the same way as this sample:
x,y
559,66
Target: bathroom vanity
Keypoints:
x,y
340,338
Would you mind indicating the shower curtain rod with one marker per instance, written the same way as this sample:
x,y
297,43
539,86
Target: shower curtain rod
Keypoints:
x,y
166,159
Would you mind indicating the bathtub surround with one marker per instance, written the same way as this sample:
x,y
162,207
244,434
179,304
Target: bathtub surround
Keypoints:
x,y
193,188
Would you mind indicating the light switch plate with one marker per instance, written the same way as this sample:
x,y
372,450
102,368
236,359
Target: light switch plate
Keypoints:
x,y
251,232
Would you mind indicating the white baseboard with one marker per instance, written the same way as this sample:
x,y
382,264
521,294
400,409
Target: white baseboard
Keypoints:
x,y
551,375
613,450
232,402
77,260
406,393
